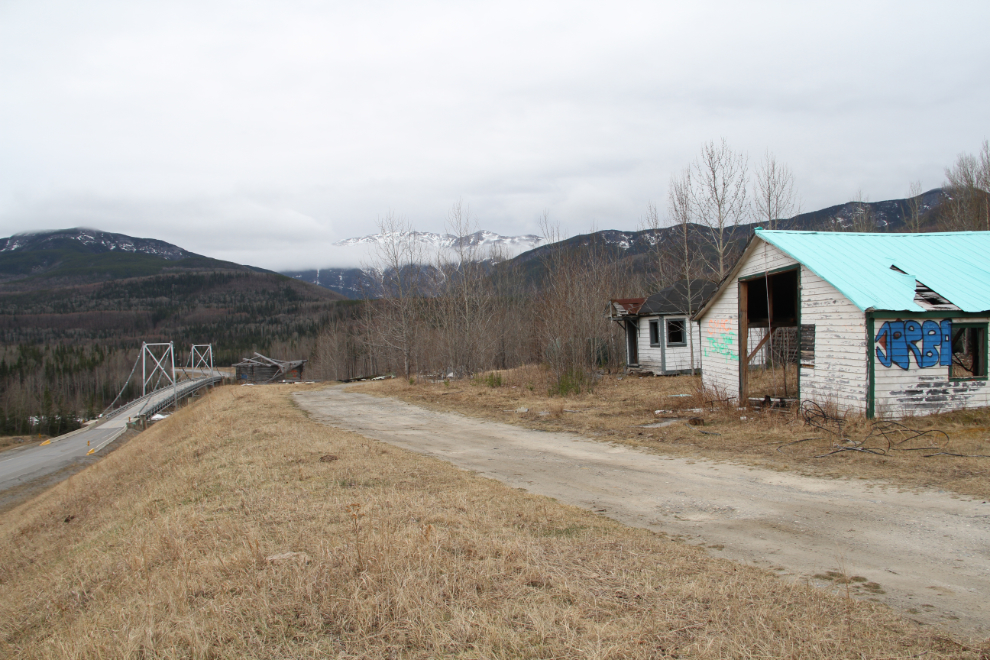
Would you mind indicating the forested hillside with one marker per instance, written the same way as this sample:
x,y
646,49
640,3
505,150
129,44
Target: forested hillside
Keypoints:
x,y
71,330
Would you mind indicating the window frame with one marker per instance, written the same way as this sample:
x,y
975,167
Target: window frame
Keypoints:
x,y
983,355
653,327
685,328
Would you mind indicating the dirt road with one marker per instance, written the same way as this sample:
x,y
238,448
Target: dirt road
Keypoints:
x,y
926,554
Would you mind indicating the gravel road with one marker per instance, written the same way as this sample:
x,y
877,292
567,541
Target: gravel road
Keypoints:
x,y
926,554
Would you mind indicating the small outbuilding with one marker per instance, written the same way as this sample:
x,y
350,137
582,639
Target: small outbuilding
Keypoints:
x,y
656,328
261,369
882,324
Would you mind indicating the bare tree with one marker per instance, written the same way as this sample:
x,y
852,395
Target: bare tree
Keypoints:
x,y
773,195
398,264
913,217
679,210
863,218
664,263
464,300
968,187
718,199
575,332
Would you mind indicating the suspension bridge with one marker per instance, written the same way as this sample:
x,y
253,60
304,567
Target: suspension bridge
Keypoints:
x,y
163,385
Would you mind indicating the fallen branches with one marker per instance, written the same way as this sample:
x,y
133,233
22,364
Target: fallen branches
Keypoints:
x,y
885,436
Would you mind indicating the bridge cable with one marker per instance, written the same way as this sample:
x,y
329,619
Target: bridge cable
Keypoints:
x,y
126,383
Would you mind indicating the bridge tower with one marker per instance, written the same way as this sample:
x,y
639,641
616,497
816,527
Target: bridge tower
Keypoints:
x,y
201,357
163,365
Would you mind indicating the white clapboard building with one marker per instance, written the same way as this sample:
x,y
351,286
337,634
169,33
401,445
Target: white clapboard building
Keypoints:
x,y
656,328
888,324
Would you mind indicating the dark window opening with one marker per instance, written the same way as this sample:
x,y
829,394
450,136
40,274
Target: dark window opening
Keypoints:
x,y
780,293
676,334
654,333
969,352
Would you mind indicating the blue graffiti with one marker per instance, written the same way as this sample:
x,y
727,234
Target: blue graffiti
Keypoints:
x,y
897,341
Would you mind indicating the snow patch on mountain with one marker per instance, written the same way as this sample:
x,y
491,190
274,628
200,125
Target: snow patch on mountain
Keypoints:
x,y
95,241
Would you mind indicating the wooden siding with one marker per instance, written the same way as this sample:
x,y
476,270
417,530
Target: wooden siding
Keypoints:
x,y
720,325
840,373
915,390
676,358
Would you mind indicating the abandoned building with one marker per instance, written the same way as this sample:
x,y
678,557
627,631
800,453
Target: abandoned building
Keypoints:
x,y
261,369
657,340
882,324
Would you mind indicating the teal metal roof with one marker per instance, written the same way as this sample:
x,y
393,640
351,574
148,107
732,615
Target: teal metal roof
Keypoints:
x,y
956,265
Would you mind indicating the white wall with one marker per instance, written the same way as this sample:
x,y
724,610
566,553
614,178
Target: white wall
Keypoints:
x,y
720,325
901,392
840,374
676,358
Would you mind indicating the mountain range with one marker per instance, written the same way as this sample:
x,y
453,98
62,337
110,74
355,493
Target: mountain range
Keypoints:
x,y
75,257
889,215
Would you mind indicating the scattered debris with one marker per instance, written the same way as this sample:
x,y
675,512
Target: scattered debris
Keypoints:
x,y
660,425
329,458
69,518
522,410
885,436
696,421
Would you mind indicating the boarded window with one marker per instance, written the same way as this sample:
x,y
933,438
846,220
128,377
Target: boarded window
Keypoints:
x,y
969,351
807,346
654,333
676,335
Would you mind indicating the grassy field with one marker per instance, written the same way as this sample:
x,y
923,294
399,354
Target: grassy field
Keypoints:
x,y
240,528
617,408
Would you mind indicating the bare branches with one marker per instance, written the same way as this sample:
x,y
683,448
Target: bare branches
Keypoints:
x,y
915,210
398,264
773,192
718,198
885,436
968,186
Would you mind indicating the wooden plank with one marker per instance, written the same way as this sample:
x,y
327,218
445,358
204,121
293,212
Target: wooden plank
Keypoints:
x,y
743,342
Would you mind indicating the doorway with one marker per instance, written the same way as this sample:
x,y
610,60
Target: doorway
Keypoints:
x,y
770,338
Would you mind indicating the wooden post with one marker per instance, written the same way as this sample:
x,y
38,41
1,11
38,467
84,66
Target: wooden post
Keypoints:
x,y
743,344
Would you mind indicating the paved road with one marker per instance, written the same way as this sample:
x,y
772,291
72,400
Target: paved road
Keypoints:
x,y
926,554
19,467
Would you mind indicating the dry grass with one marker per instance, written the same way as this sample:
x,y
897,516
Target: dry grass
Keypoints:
x,y
617,409
15,441
176,545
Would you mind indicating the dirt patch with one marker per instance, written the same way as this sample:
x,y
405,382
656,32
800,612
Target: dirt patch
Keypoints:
x,y
803,527
624,410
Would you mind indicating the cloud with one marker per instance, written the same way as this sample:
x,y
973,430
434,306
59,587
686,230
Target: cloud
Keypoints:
x,y
265,131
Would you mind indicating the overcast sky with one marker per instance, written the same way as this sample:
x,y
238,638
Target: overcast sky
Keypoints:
x,y
262,131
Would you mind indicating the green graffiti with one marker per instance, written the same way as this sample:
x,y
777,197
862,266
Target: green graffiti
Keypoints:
x,y
722,343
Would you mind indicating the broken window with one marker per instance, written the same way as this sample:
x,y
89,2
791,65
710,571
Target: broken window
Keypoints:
x,y
654,333
676,334
969,351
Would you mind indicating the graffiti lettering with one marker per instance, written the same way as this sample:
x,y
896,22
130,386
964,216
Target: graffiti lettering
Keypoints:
x,y
897,341
721,339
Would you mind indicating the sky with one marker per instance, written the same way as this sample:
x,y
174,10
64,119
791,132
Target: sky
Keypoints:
x,y
261,132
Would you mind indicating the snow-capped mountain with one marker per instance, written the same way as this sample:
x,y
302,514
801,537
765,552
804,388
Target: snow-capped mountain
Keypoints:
x,y
482,239
346,270
92,240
